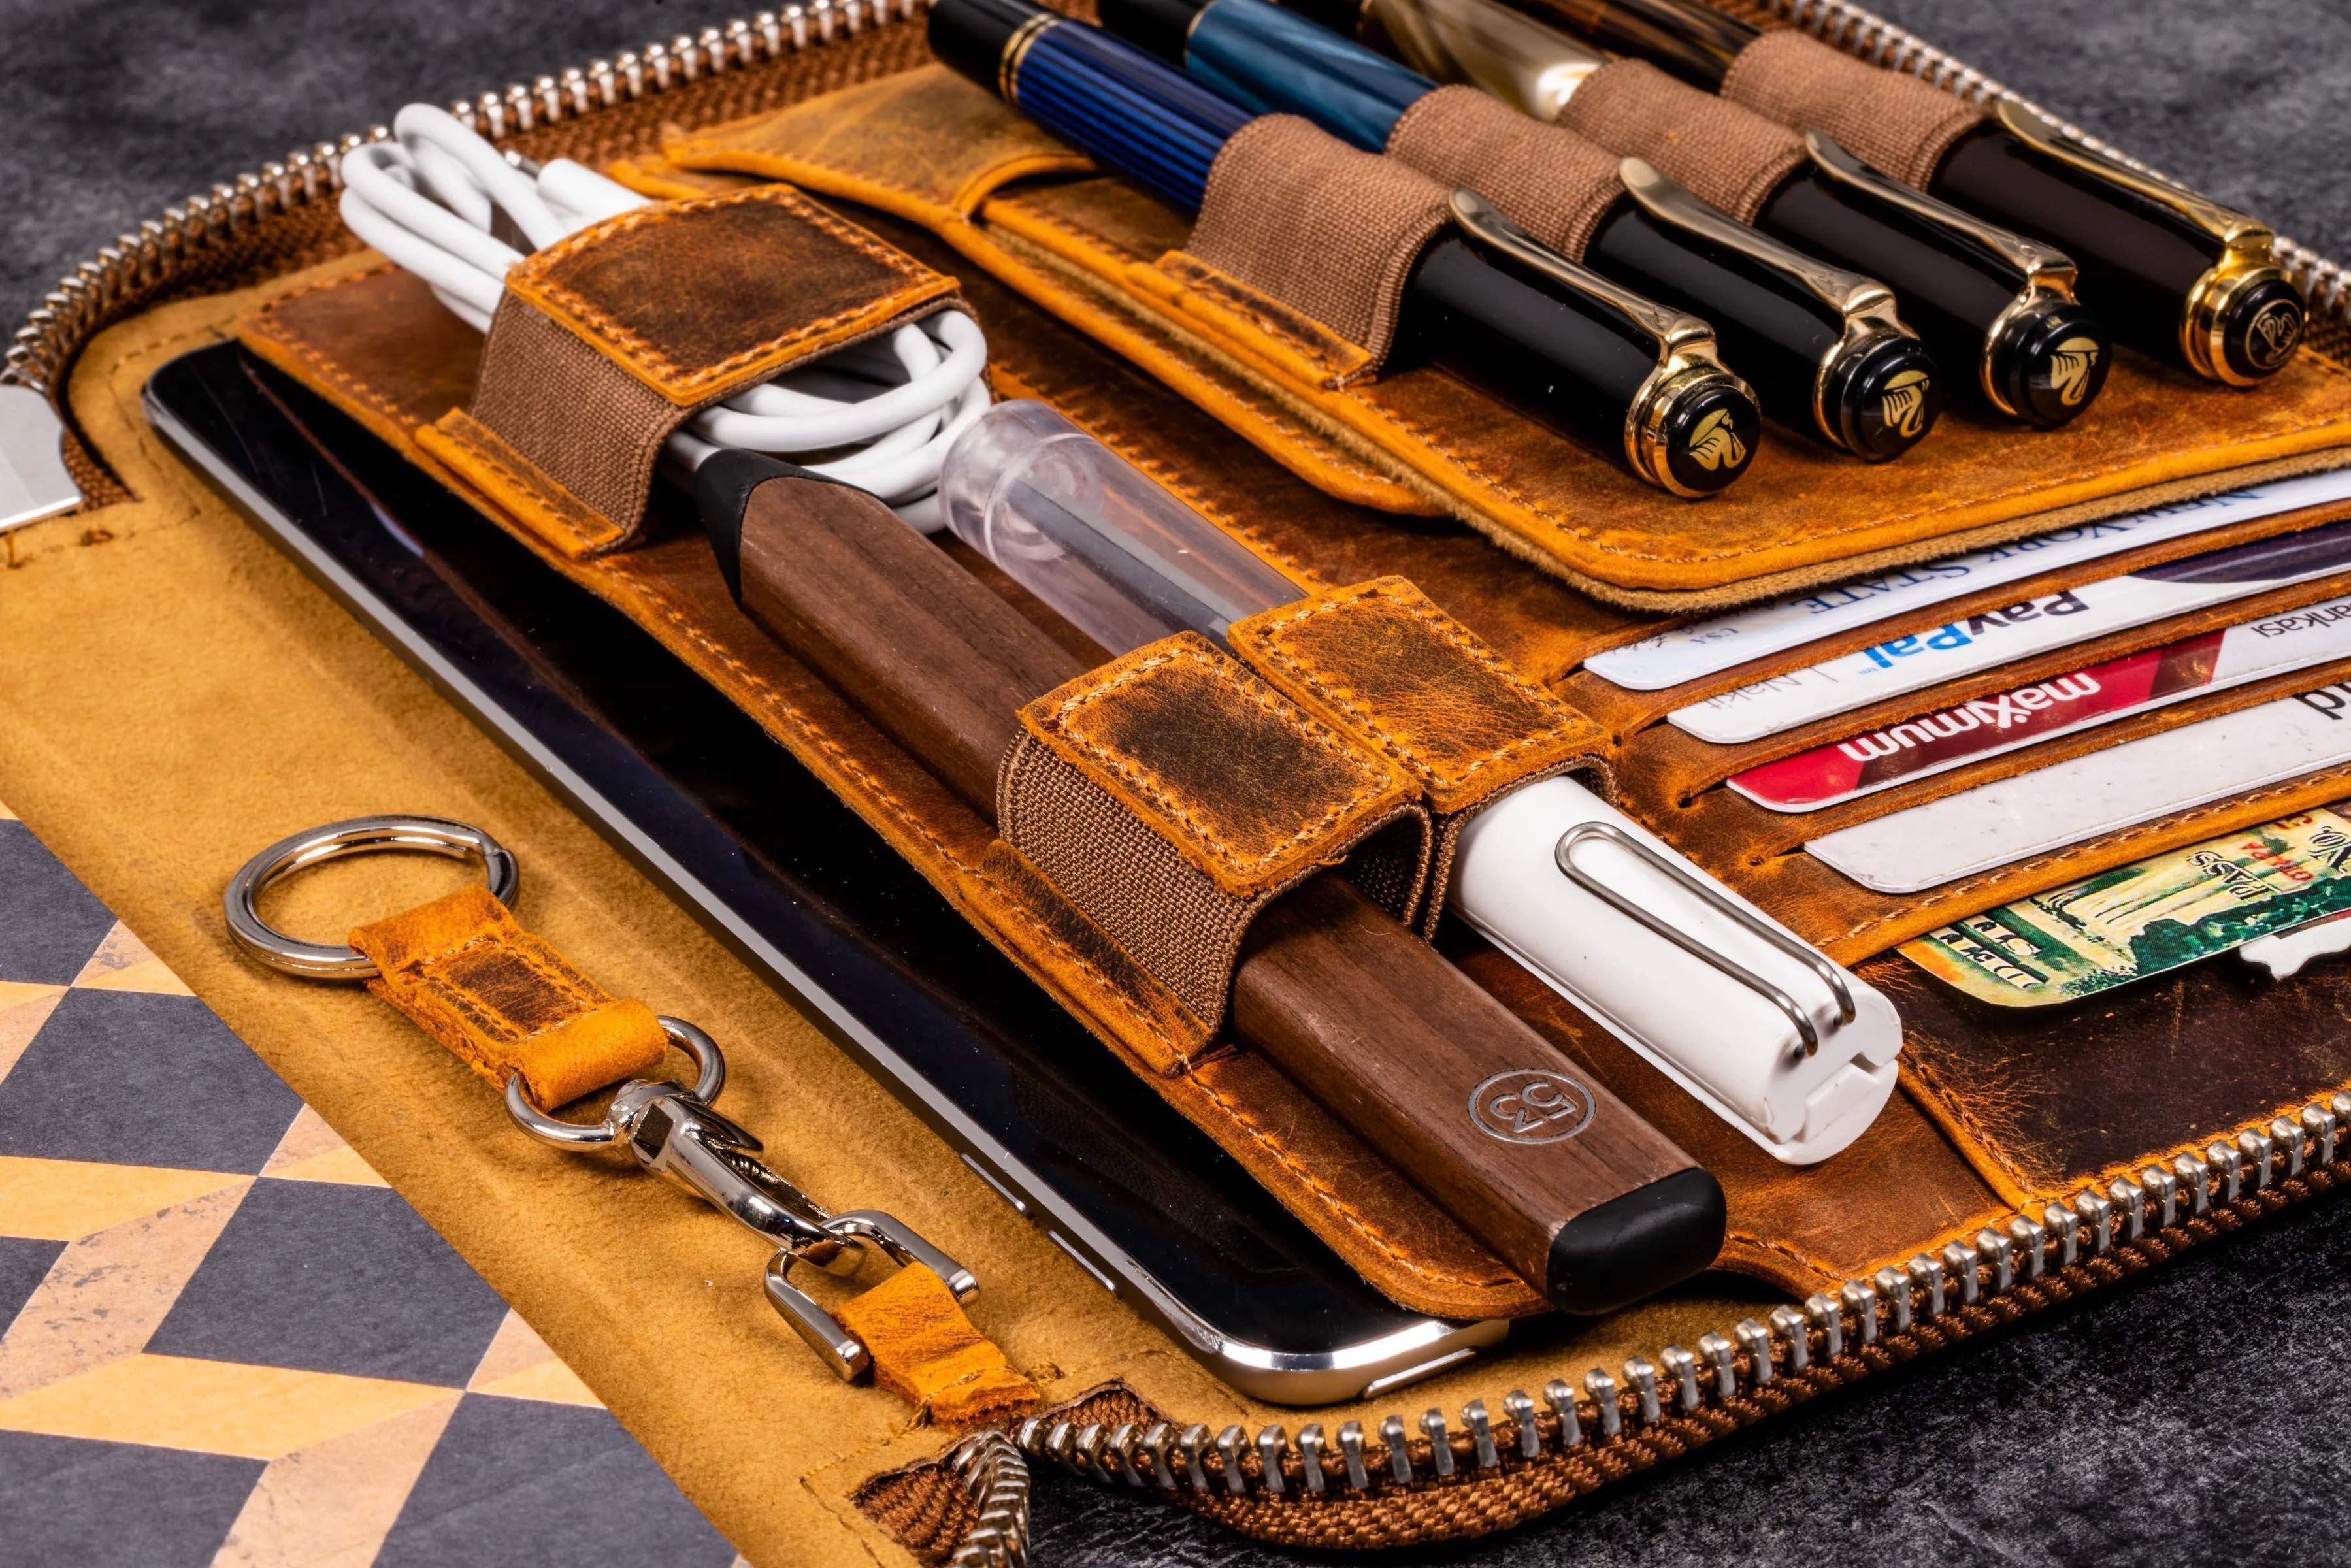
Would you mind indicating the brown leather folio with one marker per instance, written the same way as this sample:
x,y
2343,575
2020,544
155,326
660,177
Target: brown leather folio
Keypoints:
x,y
1457,565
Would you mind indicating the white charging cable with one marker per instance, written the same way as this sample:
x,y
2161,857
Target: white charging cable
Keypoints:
x,y
430,201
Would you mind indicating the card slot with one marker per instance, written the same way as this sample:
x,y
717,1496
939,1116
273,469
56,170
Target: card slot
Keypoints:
x,y
1668,769
2045,1100
1738,830
1851,923
1629,712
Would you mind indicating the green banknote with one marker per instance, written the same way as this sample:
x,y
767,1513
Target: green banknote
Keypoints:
x,y
2138,920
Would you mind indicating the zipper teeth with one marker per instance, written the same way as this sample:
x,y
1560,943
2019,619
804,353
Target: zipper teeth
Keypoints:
x,y
161,248
1868,35
1679,1398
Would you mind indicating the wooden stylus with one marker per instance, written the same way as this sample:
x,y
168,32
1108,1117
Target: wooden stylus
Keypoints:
x,y
1578,1194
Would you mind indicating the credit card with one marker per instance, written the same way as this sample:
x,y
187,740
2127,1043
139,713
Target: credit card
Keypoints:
x,y
1709,647
1995,824
1950,738
2138,920
1998,637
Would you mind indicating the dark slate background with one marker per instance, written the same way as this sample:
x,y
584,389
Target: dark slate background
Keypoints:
x,y
2194,1416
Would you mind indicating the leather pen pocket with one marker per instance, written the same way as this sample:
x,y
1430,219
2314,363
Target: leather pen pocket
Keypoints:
x,y
1411,438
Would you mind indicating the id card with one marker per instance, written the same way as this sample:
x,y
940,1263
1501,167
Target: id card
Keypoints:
x,y
2034,814
2139,920
1710,647
1998,637
1953,736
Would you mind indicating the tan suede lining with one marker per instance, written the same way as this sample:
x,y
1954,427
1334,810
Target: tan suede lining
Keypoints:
x,y
1728,156
1885,118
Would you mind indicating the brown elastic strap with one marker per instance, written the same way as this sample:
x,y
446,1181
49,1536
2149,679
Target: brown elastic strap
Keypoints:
x,y
505,1002
1895,122
926,1352
1327,230
1171,795
609,340
1550,183
1729,157
567,409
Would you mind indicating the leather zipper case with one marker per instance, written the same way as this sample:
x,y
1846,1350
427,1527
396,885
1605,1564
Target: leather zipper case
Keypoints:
x,y
2031,1156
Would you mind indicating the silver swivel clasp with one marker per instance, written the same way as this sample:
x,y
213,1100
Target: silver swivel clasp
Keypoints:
x,y
672,1131
675,1132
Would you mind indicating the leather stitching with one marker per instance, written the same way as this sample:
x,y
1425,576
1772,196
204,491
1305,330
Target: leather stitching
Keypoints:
x,y
563,509
269,324
2099,848
1980,1136
534,283
1257,308
1589,534
1170,806
1337,1205
1327,684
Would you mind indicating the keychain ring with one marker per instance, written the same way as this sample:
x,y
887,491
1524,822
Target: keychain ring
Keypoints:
x,y
359,835
709,1065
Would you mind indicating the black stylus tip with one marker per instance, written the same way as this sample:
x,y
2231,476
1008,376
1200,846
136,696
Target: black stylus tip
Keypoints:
x,y
1630,1248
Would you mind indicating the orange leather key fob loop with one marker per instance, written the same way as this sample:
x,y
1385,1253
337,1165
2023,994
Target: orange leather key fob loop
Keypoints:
x,y
512,1007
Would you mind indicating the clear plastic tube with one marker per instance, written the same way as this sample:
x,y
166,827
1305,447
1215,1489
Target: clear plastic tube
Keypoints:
x,y
1111,550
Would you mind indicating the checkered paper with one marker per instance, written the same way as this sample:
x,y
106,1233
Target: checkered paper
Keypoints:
x,y
227,1340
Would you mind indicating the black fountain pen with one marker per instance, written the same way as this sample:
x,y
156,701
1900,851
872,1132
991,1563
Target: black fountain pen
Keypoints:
x,y
1996,307
1631,379
2181,278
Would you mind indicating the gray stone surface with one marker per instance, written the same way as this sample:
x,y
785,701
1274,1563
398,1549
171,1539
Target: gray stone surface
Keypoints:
x,y
2193,1415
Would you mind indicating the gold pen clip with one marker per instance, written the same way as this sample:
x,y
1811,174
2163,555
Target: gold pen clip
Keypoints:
x,y
2238,234
1866,305
1687,356
2042,269
2247,260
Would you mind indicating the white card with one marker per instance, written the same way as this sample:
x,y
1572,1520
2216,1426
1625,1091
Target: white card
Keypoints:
x,y
1997,637
1971,731
2067,803
1709,647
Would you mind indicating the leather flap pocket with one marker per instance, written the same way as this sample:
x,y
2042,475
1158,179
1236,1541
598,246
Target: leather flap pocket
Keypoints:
x,y
1381,663
1171,795
605,343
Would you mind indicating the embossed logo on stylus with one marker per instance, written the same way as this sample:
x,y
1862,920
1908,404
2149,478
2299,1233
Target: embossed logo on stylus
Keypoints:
x,y
1531,1106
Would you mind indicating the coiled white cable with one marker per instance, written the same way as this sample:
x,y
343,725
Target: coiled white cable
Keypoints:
x,y
430,201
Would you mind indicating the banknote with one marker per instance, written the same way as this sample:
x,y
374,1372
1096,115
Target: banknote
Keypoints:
x,y
2139,920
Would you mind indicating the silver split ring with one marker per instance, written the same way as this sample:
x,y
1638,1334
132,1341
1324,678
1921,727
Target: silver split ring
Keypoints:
x,y
360,835
709,1065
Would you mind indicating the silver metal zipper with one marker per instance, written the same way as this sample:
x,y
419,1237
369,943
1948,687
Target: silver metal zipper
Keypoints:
x,y
84,300
1826,1341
